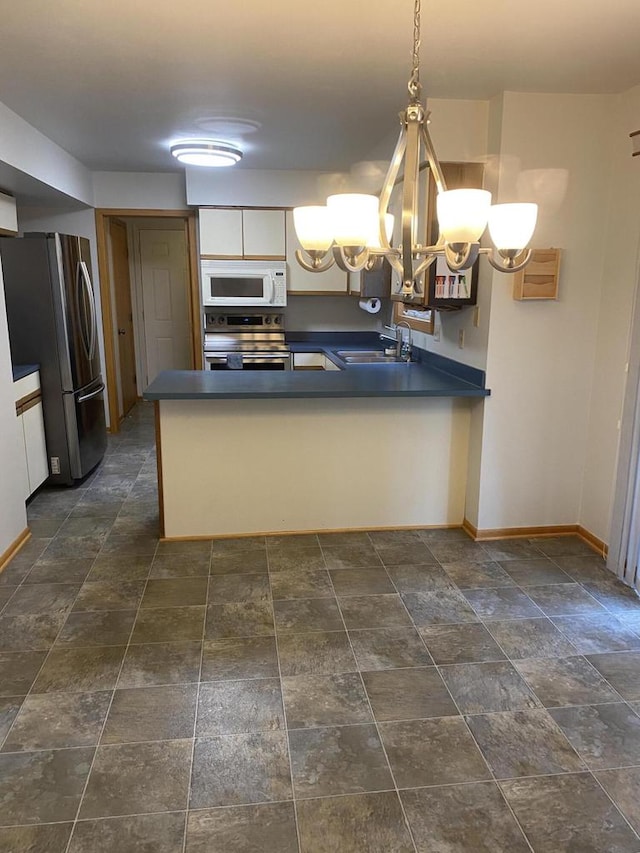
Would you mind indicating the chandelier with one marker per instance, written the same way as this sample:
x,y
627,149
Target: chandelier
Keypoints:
x,y
355,230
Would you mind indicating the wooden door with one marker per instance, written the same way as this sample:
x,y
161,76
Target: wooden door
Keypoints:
x,y
124,315
165,296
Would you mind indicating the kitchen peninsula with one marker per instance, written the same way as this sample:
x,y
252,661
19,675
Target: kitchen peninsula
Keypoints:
x,y
365,446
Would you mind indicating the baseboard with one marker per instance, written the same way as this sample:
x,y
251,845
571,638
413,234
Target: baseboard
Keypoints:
x,y
306,532
488,534
593,541
13,549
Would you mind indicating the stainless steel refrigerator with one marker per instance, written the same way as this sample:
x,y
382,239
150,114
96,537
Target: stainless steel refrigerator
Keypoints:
x,y
51,311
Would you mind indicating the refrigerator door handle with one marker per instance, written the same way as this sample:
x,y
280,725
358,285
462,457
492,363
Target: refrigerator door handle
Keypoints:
x,y
93,394
92,307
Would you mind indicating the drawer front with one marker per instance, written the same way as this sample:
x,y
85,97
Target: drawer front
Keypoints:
x,y
26,386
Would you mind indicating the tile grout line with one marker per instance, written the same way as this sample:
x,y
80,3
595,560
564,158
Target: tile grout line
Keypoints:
x,y
325,726
480,752
49,651
284,709
588,769
613,802
373,716
106,717
348,635
197,707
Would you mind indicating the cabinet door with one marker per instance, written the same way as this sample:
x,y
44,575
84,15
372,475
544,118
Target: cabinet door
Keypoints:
x,y
329,365
8,215
23,486
263,232
308,361
334,280
37,462
221,233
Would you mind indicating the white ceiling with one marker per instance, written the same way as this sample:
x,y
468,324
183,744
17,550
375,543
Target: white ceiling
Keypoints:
x,y
114,83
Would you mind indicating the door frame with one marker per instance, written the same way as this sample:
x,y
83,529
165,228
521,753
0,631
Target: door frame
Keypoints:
x,y
103,218
115,220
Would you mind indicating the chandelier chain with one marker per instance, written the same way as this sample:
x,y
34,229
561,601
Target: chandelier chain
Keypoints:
x,y
414,82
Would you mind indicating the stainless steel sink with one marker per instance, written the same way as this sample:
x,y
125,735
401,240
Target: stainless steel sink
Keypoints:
x,y
367,357
360,353
372,359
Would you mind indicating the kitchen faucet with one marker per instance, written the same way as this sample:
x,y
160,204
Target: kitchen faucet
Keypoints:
x,y
403,345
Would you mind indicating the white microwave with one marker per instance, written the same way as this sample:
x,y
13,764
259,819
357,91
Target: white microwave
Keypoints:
x,y
247,283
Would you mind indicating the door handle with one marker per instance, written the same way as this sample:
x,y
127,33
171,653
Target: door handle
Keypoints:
x,y
93,394
86,280
122,332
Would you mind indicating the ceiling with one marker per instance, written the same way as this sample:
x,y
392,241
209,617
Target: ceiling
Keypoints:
x,y
319,83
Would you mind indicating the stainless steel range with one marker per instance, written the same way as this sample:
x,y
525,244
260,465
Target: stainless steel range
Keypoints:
x,y
238,341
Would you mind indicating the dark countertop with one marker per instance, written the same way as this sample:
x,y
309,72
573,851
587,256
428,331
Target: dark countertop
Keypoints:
x,y
386,380
22,370
429,376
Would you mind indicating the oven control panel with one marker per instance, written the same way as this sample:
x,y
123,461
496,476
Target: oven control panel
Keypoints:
x,y
237,321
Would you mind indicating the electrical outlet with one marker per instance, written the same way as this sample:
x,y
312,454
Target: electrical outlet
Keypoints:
x,y
460,338
55,464
436,332
476,316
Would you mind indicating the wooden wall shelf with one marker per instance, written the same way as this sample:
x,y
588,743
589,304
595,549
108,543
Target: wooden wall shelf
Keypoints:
x,y
539,279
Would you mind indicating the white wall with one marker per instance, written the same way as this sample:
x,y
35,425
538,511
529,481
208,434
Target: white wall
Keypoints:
x,y
24,148
331,313
540,355
255,187
620,250
141,190
13,516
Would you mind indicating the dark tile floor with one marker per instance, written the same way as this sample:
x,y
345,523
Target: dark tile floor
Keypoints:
x,y
347,693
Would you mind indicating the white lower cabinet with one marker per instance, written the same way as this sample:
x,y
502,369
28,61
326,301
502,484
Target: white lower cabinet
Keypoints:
x,y
35,447
312,361
31,428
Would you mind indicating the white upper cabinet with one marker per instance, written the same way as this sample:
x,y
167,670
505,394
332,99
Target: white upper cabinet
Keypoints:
x,y
334,280
263,232
236,233
221,233
8,215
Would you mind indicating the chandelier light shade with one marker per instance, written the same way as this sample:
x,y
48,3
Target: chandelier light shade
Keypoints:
x,y
373,241
206,152
463,214
512,225
313,227
356,230
354,217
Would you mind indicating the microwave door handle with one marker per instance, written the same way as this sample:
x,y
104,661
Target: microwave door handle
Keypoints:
x,y
272,291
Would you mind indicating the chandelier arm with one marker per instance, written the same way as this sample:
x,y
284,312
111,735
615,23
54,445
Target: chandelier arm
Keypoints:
x,y
425,264
355,264
409,192
508,264
462,257
432,157
315,264
389,184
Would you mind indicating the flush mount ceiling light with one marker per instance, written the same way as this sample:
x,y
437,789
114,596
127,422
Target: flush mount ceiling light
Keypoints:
x,y
354,230
206,152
